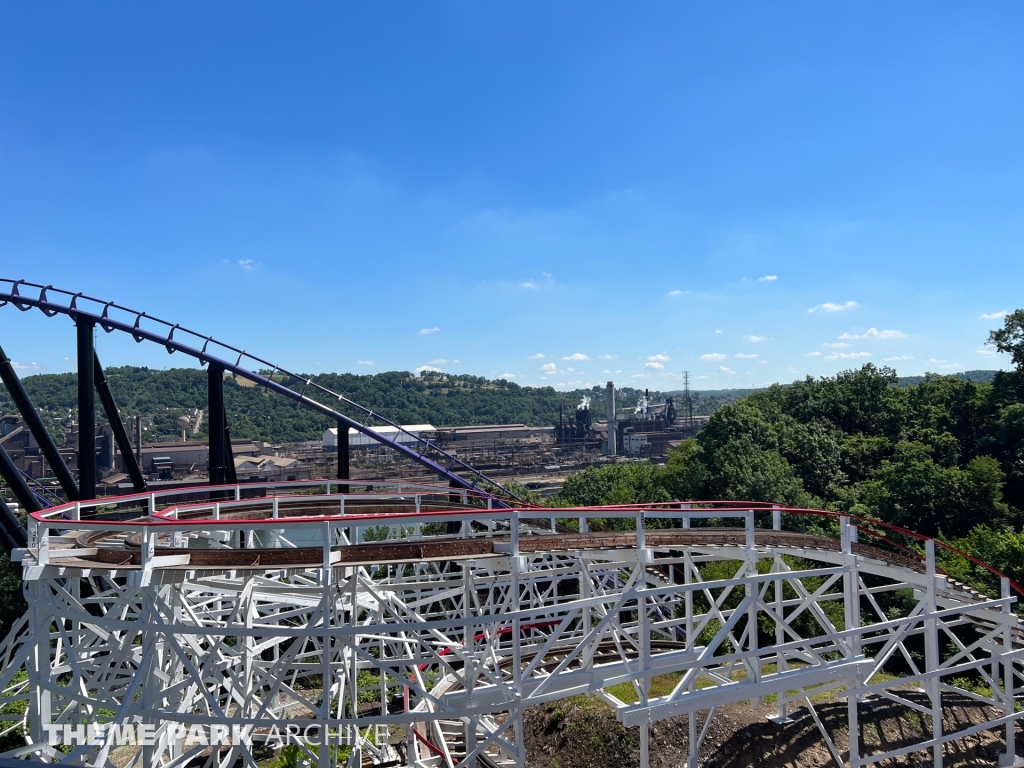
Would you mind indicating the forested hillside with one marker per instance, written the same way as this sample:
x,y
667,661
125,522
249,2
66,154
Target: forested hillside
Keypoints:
x,y
942,457
434,398
444,400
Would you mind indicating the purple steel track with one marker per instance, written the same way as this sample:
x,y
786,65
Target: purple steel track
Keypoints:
x,y
134,325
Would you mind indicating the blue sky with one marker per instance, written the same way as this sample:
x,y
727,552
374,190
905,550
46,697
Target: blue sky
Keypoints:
x,y
565,193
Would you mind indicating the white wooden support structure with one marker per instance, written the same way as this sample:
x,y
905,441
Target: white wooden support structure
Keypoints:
x,y
431,655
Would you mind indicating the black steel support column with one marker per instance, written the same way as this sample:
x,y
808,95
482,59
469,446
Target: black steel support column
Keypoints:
x,y
16,482
12,534
344,457
37,428
215,402
124,443
86,409
229,455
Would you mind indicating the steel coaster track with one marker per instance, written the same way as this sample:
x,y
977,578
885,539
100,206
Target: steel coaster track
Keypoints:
x,y
44,495
54,301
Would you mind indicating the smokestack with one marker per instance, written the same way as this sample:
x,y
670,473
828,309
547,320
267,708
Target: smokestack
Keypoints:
x,y
610,402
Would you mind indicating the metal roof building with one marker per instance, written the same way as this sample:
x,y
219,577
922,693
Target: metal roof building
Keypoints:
x,y
359,440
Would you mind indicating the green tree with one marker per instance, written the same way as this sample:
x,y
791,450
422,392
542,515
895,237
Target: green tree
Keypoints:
x,y
1010,338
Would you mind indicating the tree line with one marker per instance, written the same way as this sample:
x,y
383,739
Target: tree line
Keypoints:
x,y
943,457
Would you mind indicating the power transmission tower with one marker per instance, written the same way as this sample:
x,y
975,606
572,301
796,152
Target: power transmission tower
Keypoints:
x,y
687,399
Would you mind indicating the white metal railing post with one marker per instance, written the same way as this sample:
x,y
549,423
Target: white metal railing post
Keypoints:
x,y
152,503
238,493
751,592
645,634
851,605
148,548
76,513
326,573
931,653
691,641
1010,757
781,664
43,550
516,562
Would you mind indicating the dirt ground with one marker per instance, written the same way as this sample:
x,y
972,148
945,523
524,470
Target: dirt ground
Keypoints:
x,y
583,733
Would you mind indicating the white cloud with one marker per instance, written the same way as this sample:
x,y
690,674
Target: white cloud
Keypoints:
x,y
676,293
762,362
640,376
538,356
951,365
768,279
457,362
874,333
507,376
431,368
576,356
713,356
718,331
813,354
987,351
248,265
723,369
830,306
746,357
365,362
847,355
439,361
429,330
26,366
933,360
995,315
703,376
609,357
654,366
836,344
754,339
549,368
528,284
898,357
658,358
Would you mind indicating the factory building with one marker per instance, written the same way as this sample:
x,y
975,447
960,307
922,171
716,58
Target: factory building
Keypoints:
x,y
357,439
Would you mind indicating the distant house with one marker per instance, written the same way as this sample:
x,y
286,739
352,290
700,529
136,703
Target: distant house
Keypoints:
x,y
270,468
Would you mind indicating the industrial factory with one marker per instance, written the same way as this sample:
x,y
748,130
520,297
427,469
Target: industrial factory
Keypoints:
x,y
646,432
